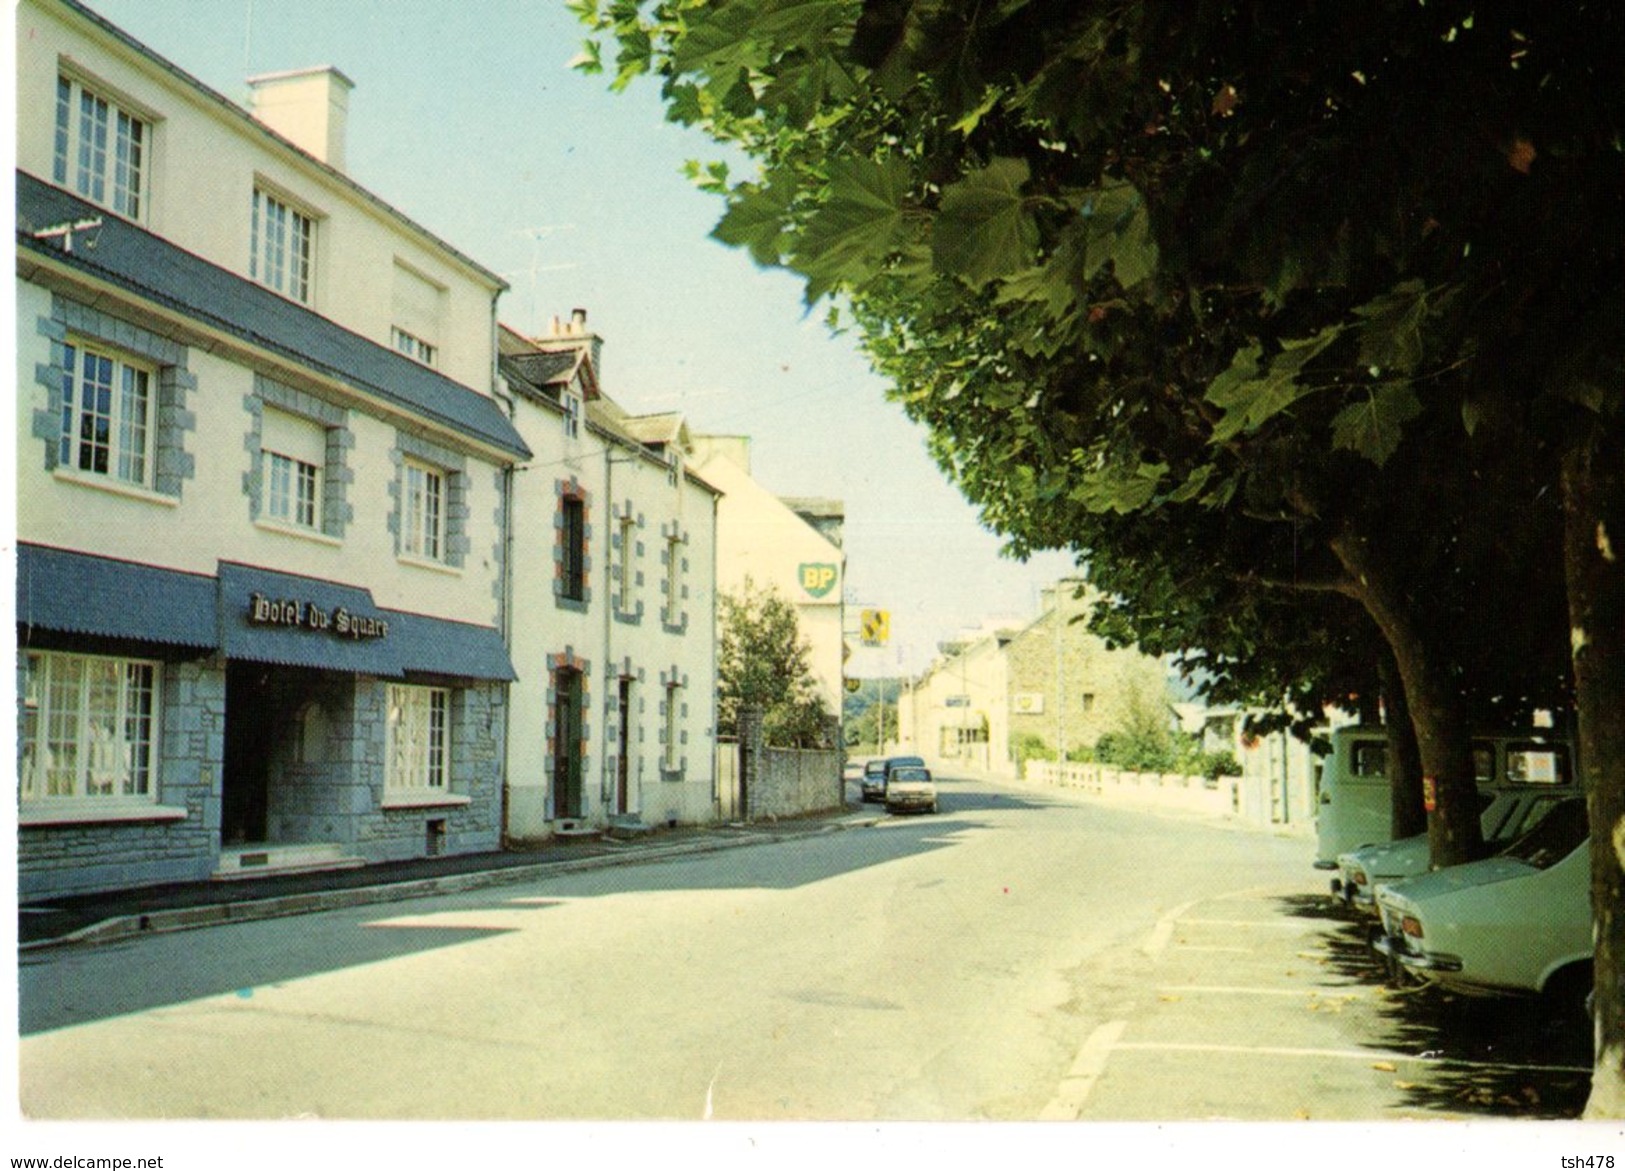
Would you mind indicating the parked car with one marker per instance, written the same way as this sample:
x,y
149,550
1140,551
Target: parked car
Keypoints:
x,y
874,779
1517,922
1353,798
909,786
1509,815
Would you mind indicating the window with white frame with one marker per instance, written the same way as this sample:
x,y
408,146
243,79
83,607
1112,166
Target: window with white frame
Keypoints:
x,y
424,512
107,414
416,311
294,454
673,757
282,246
101,148
674,579
90,728
411,345
572,413
628,567
419,738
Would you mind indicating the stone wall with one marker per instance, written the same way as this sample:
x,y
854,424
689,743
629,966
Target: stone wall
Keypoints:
x,y
792,782
385,835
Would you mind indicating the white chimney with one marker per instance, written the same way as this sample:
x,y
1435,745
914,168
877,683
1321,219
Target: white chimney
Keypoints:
x,y
308,107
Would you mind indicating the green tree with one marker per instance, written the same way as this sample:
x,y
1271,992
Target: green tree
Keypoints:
x,y
764,662
1333,293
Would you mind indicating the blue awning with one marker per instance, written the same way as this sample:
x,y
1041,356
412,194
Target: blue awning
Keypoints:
x,y
293,621
435,646
253,614
77,593
272,617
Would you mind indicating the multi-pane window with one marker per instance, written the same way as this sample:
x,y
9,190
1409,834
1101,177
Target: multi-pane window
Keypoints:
x,y
411,345
100,148
417,311
572,414
294,451
628,569
282,246
291,487
674,579
424,527
418,737
90,727
573,534
107,411
673,730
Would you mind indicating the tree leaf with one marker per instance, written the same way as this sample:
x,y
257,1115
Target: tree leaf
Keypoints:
x,y
1252,395
1374,427
858,227
985,229
755,220
1391,333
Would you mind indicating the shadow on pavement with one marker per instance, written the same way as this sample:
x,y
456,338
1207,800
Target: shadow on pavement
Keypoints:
x,y
1501,1057
315,944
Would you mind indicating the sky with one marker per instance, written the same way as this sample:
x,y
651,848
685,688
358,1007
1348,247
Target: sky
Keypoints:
x,y
468,118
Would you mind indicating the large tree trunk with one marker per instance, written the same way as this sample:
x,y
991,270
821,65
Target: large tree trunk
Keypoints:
x,y
1438,706
1594,563
1407,813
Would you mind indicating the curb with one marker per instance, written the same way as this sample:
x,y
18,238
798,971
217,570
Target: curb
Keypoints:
x,y
250,910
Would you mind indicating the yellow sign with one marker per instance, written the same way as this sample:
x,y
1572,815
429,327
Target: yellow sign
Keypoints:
x,y
875,627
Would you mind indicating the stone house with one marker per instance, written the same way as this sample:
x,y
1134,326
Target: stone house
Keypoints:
x,y
613,568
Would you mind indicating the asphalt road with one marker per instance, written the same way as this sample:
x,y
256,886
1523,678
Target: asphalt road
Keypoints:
x,y
1018,956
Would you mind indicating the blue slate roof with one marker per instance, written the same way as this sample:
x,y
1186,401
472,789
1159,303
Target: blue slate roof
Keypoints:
x,y
132,258
80,594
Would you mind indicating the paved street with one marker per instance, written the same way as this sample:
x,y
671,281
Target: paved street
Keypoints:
x,y
1019,956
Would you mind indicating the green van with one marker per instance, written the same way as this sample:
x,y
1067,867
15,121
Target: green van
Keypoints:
x,y
1353,804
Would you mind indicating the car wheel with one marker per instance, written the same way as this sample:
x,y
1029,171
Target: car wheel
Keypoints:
x,y
1568,993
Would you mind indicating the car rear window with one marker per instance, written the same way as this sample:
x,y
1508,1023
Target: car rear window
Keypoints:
x,y
1538,764
1557,835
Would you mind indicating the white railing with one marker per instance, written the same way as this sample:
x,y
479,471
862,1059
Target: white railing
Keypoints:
x,y
1217,798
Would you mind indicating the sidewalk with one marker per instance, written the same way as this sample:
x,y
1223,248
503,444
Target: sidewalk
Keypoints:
x,y
98,918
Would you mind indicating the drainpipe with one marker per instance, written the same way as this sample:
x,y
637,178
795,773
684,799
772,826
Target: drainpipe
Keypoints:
x,y
607,782
505,573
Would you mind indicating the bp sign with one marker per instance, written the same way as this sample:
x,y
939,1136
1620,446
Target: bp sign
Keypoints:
x,y
817,578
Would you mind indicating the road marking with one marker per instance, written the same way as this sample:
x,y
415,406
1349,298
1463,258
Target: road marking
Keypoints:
x,y
1270,923
1157,942
1343,1055
1239,990
1086,1069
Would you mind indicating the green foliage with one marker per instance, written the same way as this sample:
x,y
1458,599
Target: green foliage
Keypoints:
x,y
1198,292
763,661
1025,746
863,730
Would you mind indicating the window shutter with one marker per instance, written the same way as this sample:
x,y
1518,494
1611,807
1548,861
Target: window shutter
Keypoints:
x,y
294,437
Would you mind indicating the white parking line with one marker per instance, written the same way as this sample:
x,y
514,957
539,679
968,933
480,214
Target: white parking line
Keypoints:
x,y
1342,1055
1074,1089
1235,990
1271,924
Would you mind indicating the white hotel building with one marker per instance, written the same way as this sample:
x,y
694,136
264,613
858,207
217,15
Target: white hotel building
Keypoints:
x,y
266,477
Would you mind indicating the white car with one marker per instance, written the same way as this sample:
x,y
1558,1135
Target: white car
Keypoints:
x,y
909,786
1509,815
1517,922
